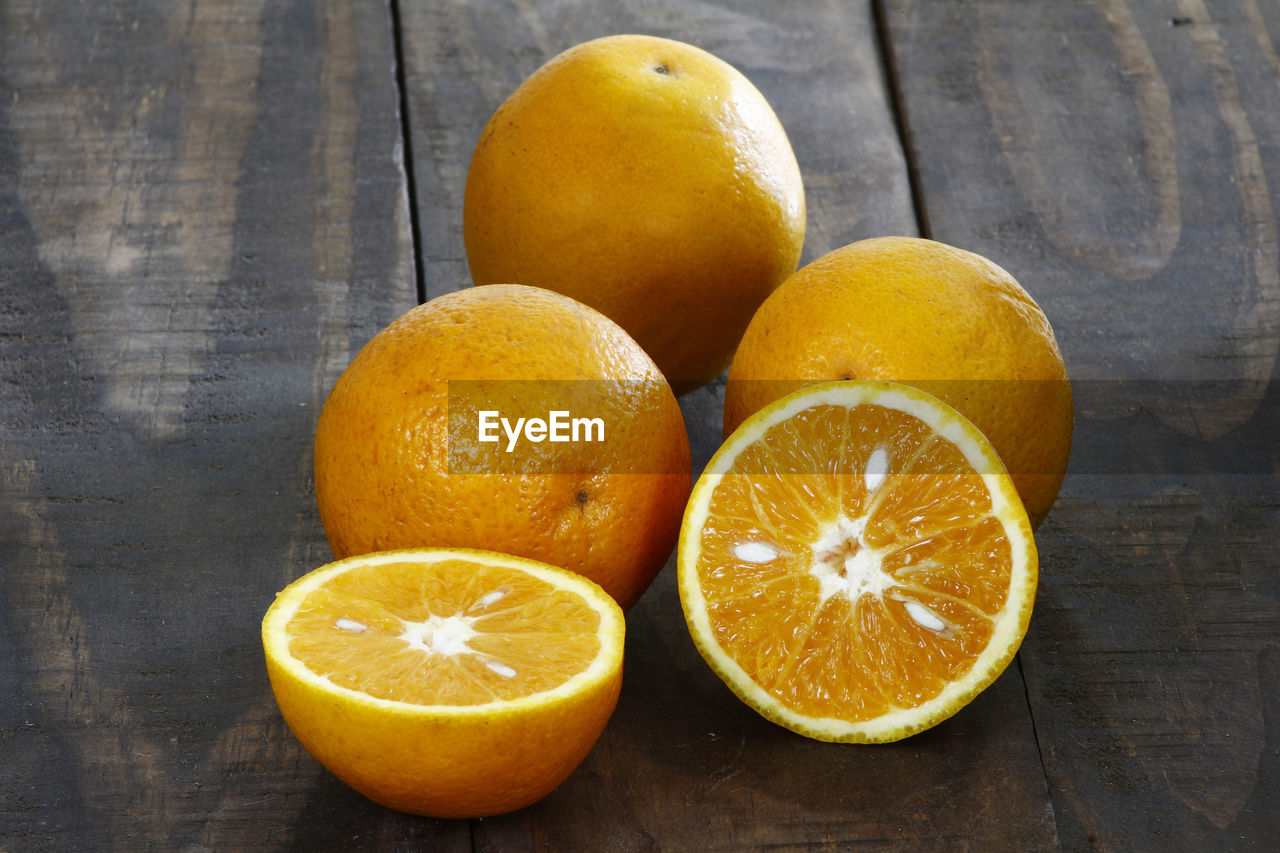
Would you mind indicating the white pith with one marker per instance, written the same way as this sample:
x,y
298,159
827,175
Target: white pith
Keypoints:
x,y
450,636
845,564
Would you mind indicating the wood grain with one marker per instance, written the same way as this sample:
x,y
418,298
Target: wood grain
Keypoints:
x,y
203,217
685,765
1122,160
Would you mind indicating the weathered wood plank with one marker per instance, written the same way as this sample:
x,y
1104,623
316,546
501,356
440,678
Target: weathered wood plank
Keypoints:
x,y
203,216
684,765
1122,160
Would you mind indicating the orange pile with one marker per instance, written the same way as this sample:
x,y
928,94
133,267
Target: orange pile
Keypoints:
x,y
856,562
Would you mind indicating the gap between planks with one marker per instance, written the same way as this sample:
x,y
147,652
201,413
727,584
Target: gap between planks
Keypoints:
x,y
884,49
406,142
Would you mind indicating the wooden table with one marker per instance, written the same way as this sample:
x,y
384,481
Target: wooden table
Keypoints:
x,y
207,207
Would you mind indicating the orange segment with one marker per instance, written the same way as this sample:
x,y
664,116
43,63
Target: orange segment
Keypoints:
x,y
855,562
445,682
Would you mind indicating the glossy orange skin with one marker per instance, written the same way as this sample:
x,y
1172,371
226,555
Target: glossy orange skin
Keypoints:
x,y
648,179
943,319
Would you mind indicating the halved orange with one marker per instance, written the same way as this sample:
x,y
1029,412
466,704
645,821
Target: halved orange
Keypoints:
x,y
445,682
855,562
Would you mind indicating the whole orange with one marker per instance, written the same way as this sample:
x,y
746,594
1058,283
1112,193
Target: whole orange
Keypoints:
x,y
943,319
648,179
404,459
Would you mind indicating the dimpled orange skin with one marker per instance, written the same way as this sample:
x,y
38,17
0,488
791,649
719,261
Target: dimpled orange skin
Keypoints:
x,y
648,179
927,314
382,464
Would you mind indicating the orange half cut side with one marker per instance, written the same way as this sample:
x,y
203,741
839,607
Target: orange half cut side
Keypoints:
x,y
855,563
445,682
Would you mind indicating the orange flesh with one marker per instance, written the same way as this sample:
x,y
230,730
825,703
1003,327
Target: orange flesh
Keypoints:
x,y
446,633
916,568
